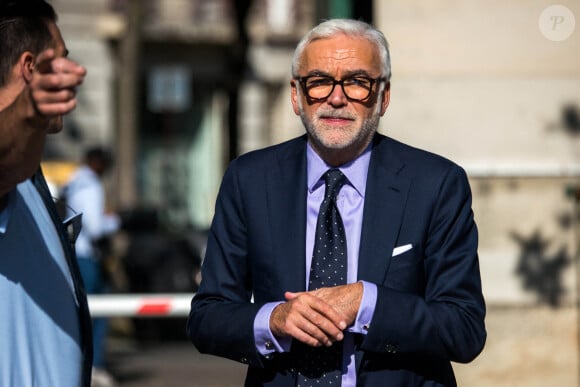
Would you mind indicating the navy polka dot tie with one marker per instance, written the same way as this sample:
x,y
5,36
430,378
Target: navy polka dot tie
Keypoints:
x,y
322,366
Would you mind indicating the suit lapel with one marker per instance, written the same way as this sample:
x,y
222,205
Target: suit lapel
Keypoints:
x,y
385,200
287,201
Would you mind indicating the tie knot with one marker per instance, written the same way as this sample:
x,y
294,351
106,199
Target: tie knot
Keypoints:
x,y
334,180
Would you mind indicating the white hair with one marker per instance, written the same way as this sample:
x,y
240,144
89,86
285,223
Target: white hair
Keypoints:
x,y
348,27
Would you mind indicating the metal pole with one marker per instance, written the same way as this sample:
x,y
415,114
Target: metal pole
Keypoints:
x,y
127,107
576,224
140,305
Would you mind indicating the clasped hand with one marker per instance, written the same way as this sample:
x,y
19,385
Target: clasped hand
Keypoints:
x,y
317,317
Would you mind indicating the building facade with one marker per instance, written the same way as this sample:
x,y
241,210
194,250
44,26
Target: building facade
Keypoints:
x,y
179,87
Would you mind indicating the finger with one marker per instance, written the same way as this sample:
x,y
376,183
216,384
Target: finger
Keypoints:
x,y
329,312
322,307
291,295
47,62
55,81
67,66
297,318
287,320
54,96
54,102
320,328
48,105
57,109
308,333
321,315
43,61
310,340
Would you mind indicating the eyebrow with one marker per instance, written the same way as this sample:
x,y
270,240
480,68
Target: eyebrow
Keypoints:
x,y
347,74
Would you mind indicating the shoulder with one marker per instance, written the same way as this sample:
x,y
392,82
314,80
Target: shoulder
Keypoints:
x,y
84,173
412,160
83,178
274,155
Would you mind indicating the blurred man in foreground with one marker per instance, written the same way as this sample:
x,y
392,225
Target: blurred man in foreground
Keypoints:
x,y
45,334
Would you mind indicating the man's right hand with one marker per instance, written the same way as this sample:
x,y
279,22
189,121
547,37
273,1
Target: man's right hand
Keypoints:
x,y
308,319
54,82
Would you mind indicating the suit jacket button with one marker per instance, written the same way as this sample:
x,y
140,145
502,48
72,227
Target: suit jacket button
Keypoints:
x,y
390,348
269,345
244,360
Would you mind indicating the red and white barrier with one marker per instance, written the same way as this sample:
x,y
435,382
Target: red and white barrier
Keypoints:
x,y
140,305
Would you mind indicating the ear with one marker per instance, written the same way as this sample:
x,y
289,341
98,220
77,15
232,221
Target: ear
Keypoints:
x,y
26,65
386,98
294,96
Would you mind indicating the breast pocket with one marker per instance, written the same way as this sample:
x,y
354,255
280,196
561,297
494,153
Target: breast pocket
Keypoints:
x,y
405,271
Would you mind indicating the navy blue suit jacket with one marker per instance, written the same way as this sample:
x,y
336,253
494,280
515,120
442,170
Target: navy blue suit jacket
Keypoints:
x,y
430,309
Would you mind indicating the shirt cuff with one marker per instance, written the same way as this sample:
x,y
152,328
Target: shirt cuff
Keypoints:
x,y
266,342
366,309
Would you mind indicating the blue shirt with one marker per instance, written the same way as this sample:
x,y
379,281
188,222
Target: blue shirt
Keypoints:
x,y
39,324
350,202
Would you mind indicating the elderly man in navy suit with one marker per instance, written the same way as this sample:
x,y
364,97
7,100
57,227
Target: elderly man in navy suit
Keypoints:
x,y
342,257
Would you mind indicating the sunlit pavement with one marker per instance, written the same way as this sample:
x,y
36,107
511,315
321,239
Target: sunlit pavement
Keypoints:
x,y
170,365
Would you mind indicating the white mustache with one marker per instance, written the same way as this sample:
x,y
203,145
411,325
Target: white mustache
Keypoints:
x,y
335,114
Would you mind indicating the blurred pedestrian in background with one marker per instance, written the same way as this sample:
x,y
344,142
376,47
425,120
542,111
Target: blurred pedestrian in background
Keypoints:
x,y
342,257
45,336
85,194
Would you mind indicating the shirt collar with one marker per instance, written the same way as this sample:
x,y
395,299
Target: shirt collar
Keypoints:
x,y
356,171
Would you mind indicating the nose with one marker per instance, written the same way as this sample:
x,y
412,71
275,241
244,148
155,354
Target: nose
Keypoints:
x,y
337,98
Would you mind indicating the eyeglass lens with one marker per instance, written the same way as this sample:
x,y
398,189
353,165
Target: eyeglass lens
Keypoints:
x,y
356,88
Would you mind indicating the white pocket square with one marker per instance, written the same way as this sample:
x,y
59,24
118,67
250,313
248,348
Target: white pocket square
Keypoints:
x,y
401,249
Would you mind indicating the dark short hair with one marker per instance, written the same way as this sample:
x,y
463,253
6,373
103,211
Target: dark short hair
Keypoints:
x,y
23,27
99,153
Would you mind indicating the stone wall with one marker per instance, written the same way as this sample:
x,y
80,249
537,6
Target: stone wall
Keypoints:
x,y
482,84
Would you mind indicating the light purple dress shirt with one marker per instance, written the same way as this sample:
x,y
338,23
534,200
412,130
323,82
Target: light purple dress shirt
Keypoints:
x,y
350,202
